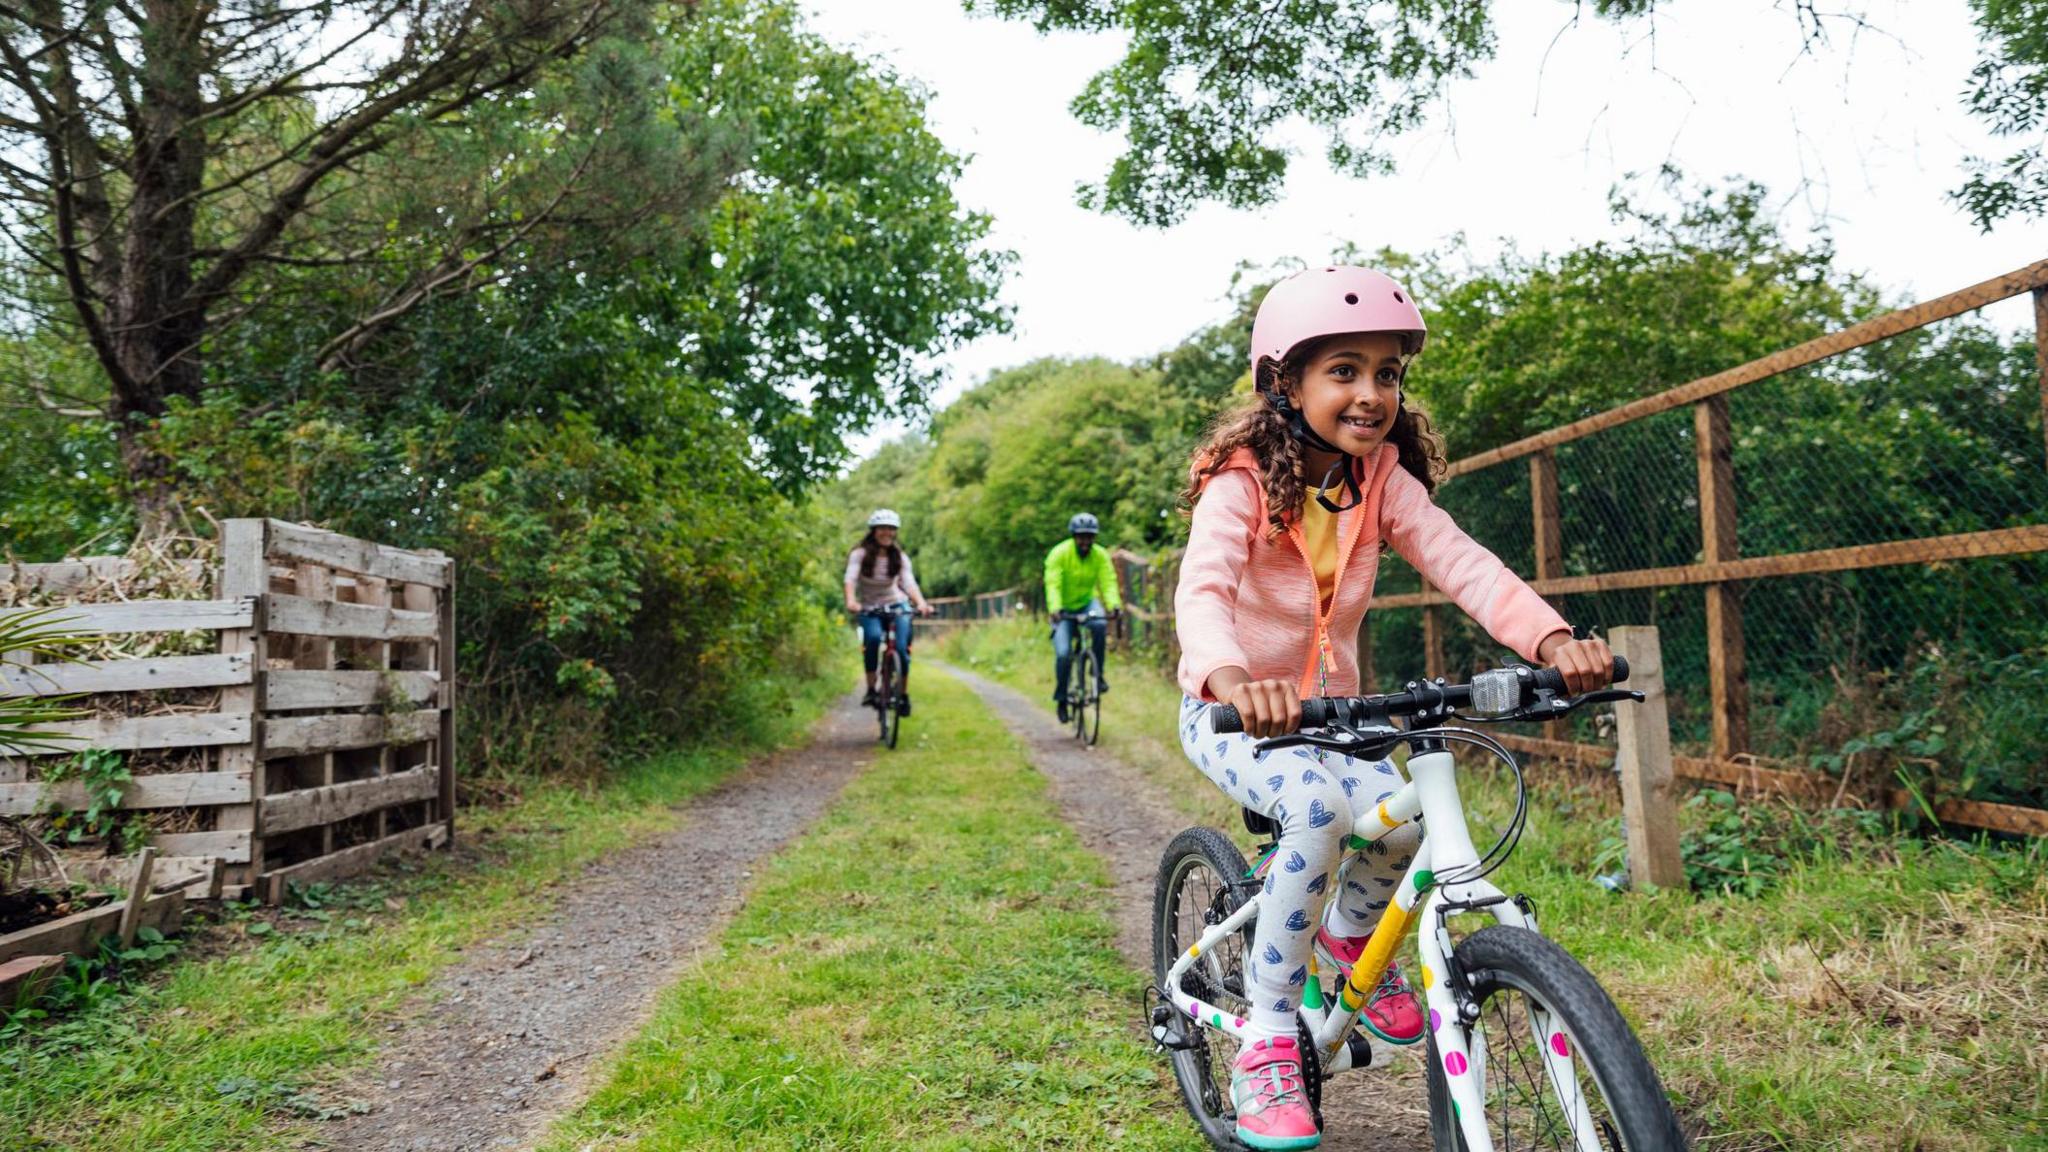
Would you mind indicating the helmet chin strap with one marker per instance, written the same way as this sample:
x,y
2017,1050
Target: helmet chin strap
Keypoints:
x,y
1297,425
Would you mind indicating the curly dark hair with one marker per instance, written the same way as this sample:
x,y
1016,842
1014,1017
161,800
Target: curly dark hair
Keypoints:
x,y
1257,424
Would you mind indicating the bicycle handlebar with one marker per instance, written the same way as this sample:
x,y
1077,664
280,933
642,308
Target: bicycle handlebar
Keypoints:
x,y
1498,693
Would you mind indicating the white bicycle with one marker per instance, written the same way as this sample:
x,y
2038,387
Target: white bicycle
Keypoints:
x,y
1524,1049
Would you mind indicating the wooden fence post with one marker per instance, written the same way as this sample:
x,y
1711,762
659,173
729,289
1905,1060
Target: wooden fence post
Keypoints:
x,y
1432,640
245,571
2041,354
1649,803
1728,680
1547,530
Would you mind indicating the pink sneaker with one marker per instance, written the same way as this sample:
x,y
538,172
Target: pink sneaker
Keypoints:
x,y
1266,1090
1391,1012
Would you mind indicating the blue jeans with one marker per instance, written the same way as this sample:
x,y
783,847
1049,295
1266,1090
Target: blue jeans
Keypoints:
x,y
871,643
1063,647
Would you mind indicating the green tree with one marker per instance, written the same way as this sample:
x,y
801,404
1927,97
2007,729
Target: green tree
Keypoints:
x,y
160,161
1206,87
2009,91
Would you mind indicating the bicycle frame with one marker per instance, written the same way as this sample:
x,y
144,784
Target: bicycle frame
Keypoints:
x,y
1432,792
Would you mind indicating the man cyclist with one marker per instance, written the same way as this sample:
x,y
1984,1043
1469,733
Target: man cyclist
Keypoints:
x,y
1080,583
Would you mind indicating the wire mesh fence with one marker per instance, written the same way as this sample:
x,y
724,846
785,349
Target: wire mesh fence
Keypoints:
x,y
1880,524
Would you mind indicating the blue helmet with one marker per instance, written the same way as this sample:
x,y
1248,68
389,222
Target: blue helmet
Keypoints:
x,y
1083,524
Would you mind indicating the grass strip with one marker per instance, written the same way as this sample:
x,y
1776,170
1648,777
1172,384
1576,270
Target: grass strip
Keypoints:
x,y
933,967
228,1051
1878,991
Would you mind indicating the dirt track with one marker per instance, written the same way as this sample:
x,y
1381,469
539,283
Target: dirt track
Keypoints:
x,y
1121,818
508,1037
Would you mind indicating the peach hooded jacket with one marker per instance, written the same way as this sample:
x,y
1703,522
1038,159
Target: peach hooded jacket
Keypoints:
x,y
1249,599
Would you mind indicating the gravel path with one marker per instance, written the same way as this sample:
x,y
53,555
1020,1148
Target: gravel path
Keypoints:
x,y
512,1033
1128,824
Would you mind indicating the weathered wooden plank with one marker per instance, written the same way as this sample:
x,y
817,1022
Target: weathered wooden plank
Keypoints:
x,y
1997,817
299,735
293,690
349,861
78,934
153,674
2033,276
153,616
309,617
231,845
24,978
245,571
192,873
445,747
312,807
310,545
172,790
1961,546
68,576
131,733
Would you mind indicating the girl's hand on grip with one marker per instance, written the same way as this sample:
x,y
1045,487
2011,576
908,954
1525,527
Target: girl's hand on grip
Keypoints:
x,y
1587,665
1269,707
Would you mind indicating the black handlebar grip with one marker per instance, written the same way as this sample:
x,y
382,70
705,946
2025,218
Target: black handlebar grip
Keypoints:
x,y
1553,680
1316,712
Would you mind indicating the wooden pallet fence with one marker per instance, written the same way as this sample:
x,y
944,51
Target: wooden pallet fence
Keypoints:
x,y
331,741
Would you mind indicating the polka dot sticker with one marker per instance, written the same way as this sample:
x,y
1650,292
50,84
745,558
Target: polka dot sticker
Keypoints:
x,y
1436,1020
1559,1045
1428,978
1454,1063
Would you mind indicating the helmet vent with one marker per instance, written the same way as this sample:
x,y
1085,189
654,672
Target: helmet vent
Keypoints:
x,y
1398,298
1351,297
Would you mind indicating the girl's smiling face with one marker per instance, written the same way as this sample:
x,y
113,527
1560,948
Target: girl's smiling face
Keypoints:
x,y
886,537
1350,389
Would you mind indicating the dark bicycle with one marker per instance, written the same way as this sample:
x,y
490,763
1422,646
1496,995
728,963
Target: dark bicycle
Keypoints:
x,y
889,691
1084,695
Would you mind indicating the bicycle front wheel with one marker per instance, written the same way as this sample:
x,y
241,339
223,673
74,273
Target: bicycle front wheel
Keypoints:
x,y
885,703
1081,696
1562,1069
1197,888
1091,710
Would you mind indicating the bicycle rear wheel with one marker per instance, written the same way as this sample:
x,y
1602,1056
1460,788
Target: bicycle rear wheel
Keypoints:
x,y
1196,889
1542,1013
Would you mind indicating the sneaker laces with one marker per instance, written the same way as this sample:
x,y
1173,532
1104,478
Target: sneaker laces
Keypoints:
x,y
1390,984
1283,1083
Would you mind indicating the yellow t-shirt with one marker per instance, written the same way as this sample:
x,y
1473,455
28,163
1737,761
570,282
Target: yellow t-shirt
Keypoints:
x,y
1319,536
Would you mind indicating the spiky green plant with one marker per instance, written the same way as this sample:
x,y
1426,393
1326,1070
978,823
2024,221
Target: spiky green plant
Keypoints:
x,y
37,633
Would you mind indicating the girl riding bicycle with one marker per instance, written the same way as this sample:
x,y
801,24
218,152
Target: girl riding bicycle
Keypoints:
x,y
878,576
1294,495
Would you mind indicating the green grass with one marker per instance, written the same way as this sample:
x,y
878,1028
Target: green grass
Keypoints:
x,y
227,1051
1883,992
933,967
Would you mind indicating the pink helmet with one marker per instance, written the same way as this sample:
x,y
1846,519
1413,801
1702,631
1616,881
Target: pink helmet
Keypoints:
x,y
1332,301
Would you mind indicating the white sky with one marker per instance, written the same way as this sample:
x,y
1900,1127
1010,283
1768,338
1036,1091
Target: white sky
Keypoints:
x,y
1867,141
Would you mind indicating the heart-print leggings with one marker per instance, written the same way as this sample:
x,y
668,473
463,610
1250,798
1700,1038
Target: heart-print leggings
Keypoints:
x,y
1313,796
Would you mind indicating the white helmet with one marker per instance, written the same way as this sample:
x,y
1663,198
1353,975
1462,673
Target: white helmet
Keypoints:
x,y
884,518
